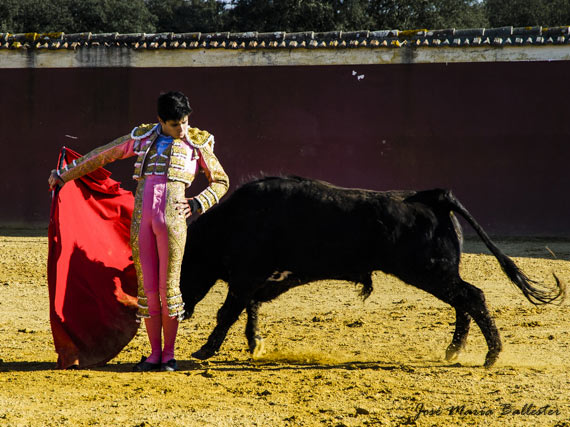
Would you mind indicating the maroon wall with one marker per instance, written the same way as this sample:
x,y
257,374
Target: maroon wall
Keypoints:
x,y
495,133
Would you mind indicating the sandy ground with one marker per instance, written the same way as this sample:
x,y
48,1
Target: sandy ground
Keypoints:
x,y
331,359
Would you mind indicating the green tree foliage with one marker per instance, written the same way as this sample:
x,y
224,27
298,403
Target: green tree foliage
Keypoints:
x,y
72,16
522,13
356,15
281,15
429,14
180,16
123,16
318,15
559,13
22,16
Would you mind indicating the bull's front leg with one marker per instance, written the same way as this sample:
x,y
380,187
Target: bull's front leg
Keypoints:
x,y
254,340
227,316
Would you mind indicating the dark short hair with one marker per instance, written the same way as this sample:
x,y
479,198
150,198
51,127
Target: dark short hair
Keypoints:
x,y
173,105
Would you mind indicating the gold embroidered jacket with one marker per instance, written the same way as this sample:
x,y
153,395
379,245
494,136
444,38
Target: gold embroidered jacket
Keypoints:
x,y
189,156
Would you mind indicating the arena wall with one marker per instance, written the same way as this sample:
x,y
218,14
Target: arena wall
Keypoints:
x,y
488,122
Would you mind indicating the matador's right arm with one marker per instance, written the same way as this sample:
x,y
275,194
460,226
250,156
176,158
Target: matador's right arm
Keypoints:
x,y
120,148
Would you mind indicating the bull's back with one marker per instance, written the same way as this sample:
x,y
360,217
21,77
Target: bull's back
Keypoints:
x,y
296,216
296,223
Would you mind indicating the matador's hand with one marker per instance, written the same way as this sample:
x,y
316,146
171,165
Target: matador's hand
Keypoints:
x,y
54,180
186,207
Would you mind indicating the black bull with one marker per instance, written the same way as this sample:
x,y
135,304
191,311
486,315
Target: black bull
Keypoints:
x,y
274,234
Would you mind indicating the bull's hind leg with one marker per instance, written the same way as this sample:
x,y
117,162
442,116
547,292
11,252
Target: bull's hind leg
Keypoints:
x,y
227,316
470,301
254,340
462,324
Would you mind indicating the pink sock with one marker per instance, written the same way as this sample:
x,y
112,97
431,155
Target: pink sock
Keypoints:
x,y
153,329
170,327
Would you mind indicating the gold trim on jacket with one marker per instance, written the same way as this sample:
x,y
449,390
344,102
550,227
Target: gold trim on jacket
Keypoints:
x,y
198,146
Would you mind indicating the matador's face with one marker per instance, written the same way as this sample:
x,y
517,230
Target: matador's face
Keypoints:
x,y
175,128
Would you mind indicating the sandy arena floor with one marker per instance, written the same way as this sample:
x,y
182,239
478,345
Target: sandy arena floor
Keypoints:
x,y
331,359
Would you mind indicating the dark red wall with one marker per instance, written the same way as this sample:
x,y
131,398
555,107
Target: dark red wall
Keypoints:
x,y
495,133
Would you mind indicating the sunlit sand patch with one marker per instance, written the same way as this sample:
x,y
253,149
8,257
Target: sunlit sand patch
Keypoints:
x,y
301,358
331,358
536,361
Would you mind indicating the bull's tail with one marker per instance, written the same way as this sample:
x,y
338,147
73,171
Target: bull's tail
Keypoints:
x,y
535,292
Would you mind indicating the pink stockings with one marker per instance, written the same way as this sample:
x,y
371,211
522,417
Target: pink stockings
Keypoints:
x,y
153,249
154,327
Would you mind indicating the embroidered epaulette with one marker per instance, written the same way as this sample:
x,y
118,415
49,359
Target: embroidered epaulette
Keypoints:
x,y
143,130
200,138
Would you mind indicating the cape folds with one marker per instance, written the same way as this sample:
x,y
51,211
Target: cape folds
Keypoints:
x,y
91,276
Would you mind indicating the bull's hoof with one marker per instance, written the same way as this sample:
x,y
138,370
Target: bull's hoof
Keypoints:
x,y
491,358
453,351
258,348
203,353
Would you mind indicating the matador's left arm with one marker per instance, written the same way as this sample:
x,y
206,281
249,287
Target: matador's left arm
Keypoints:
x,y
217,177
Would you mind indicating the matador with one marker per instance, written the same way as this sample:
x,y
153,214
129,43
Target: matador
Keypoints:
x,y
167,163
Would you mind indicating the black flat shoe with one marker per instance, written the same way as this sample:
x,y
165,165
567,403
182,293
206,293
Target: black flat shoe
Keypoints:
x,y
171,366
144,366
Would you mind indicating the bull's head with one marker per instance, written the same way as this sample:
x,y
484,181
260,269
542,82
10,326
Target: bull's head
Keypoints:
x,y
197,277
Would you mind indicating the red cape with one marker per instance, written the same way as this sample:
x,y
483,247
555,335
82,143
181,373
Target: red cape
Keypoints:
x,y
91,277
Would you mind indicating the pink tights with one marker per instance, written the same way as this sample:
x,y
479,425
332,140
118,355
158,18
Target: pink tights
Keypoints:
x,y
153,249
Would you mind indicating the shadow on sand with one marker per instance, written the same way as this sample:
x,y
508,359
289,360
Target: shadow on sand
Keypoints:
x,y
208,368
